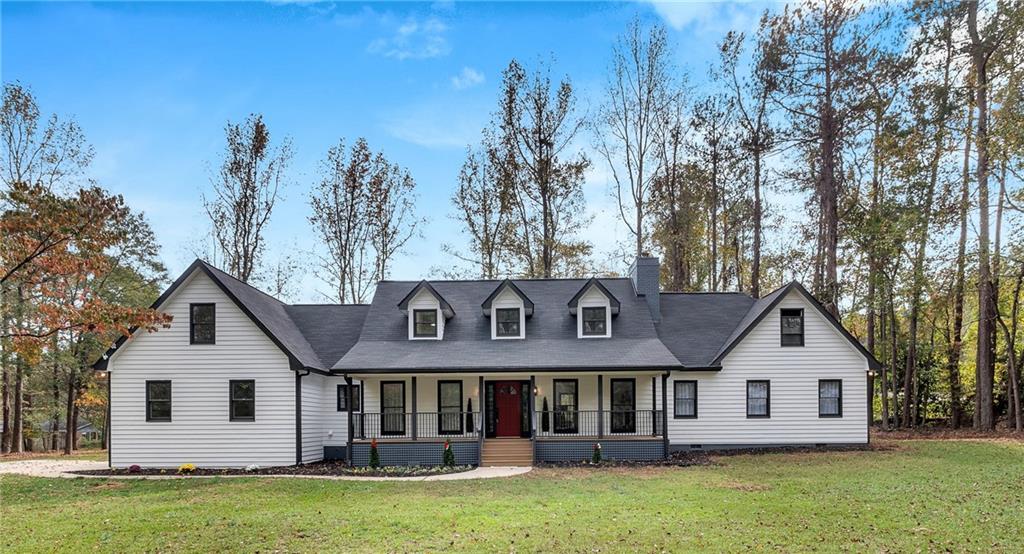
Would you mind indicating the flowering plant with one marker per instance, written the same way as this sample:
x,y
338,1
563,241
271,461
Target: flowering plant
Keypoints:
x,y
134,468
374,455
187,469
596,456
449,454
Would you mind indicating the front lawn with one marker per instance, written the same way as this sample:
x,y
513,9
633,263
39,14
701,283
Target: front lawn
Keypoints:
x,y
917,496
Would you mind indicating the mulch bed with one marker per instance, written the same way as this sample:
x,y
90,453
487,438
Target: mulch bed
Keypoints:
x,y
317,468
944,433
679,459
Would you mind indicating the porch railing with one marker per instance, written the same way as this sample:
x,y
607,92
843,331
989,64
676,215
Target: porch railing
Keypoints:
x,y
598,423
428,425
554,423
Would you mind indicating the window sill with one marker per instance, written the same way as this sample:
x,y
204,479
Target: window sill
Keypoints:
x,y
684,417
826,416
758,416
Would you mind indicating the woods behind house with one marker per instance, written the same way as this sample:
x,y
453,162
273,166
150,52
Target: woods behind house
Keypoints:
x,y
872,151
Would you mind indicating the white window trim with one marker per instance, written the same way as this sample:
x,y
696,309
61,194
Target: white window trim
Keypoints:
x,y
494,322
592,303
424,301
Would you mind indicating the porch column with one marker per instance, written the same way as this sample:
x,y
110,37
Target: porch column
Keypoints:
x,y
414,418
600,406
533,416
481,423
664,411
654,404
351,424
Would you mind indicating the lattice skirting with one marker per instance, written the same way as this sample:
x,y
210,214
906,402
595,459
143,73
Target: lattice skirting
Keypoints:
x,y
576,451
414,453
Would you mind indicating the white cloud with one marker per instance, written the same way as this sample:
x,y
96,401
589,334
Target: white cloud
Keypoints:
x,y
710,17
414,39
435,126
467,78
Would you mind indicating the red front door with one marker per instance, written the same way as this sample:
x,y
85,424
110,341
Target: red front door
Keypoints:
x,y
508,399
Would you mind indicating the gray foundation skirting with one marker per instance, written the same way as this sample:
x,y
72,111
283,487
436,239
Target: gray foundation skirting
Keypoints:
x,y
672,448
577,450
413,453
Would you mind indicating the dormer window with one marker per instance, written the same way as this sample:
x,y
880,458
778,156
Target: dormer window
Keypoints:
x,y
507,322
426,311
425,323
507,307
594,305
594,321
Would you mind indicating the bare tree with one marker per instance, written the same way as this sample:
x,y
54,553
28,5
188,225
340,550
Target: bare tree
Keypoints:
x,y
482,207
536,126
246,188
752,97
363,209
641,88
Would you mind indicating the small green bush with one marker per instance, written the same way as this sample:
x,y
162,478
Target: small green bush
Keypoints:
x,y
374,455
595,457
449,455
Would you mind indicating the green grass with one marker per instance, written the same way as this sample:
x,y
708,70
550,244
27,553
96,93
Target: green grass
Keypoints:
x,y
920,496
83,454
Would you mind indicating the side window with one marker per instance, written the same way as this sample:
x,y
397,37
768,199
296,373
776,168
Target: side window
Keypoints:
x,y
158,400
792,327
344,399
830,398
759,399
242,399
685,404
202,328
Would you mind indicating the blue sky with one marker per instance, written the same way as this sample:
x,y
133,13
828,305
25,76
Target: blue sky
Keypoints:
x,y
153,84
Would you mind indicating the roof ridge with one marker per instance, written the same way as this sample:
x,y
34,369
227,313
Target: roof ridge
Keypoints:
x,y
503,280
325,304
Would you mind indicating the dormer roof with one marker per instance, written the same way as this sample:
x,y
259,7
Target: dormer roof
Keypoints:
x,y
446,308
594,282
507,283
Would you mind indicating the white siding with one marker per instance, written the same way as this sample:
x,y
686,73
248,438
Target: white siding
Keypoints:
x,y
794,373
199,431
334,424
313,400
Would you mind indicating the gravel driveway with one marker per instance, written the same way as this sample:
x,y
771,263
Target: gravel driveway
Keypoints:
x,y
49,468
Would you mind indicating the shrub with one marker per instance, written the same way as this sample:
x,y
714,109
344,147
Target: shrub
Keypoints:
x,y
252,467
449,455
595,457
469,416
134,468
374,455
545,417
187,469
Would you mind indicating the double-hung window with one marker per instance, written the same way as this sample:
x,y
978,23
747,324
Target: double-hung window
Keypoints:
x,y
202,323
158,400
353,398
507,322
595,323
792,327
449,404
566,405
623,405
242,400
685,401
424,323
392,407
830,398
758,399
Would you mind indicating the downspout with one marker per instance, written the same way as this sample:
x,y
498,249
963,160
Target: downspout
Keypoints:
x,y
664,410
298,413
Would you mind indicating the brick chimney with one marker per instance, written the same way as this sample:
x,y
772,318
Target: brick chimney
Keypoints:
x,y
646,275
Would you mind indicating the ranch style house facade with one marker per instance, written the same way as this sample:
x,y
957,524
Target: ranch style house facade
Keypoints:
x,y
508,372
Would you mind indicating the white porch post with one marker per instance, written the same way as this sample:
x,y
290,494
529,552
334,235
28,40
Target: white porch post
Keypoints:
x,y
414,418
664,411
481,423
600,406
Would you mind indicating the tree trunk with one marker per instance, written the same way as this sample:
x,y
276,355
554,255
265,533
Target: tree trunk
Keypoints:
x,y
755,264
69,415
983,409
956,347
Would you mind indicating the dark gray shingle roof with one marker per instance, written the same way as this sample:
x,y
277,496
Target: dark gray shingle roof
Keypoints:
x,y
331,329
695,325
551,340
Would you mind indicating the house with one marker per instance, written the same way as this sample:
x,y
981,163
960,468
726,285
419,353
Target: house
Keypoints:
x,y
511,372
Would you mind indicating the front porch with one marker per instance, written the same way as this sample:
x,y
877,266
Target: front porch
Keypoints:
x,y
556,417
